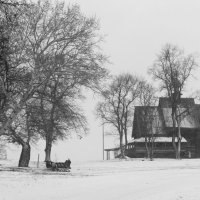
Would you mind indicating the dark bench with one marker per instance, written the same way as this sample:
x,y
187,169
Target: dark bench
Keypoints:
x,y
59,166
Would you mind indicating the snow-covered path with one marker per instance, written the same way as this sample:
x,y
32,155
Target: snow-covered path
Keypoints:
x,y
109,180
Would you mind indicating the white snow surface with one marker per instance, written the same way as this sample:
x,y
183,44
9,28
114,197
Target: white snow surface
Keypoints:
x,y
133,179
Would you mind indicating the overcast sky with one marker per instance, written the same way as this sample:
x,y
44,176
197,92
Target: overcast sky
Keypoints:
x,y
137,29
135,32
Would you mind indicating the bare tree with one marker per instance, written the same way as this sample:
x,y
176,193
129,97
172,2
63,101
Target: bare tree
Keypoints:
x,y
172,68
44,41
149,116
72,42
116,107
14,78
55,113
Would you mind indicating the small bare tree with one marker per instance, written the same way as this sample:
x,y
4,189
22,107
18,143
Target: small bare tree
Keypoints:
x,y
149,116
117,107
172,68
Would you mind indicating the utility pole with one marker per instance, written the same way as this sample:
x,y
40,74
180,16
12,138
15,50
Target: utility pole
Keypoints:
x,y
103,138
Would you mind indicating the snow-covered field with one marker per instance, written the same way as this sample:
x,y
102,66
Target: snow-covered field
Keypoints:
x,y
137,179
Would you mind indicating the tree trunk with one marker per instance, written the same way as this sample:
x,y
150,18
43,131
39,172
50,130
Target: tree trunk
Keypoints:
x,y
49,141
48,149
152,149
125,130
174,133
25,155
121,146
179,149
179,141
152,139
126,138
147,147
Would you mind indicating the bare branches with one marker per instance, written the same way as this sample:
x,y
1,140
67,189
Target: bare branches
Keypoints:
x,y
148,115
47,54
172,68
147,94
117,104
12,3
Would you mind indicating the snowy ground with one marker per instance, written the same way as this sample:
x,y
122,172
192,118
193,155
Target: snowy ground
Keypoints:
x,y
161,179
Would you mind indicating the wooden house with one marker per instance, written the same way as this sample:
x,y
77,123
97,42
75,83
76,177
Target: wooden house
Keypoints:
x,y
157,122
162,147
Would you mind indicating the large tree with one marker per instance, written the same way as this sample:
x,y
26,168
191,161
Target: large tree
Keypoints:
x,y
173,69
14,77
72,41
117,105
44,42
55,113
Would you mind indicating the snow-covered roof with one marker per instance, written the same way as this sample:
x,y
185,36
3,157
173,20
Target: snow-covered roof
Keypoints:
x,y
159,119
159,139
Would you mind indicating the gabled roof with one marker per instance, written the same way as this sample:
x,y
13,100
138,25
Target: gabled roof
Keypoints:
x,y
189,117
162,117
142,117
164,102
